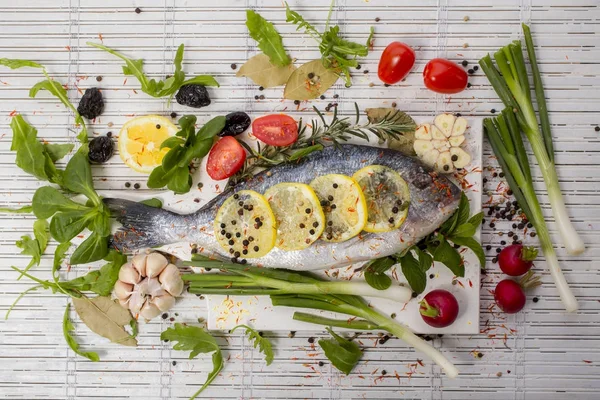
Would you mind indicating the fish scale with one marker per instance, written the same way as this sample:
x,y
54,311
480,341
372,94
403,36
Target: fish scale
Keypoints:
x,y
433,198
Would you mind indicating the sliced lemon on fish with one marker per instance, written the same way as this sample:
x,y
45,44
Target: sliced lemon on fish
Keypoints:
x,y
299,216
344,205
245,225
140,139
387,196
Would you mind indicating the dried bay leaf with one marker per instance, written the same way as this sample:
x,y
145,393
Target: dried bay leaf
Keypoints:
x,y
310,81
106,318
264,73
404,143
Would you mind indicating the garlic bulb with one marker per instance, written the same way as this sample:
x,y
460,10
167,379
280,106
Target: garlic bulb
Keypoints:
x,y
148,285
438,145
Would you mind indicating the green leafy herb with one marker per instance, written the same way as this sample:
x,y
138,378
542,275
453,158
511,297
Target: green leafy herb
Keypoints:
x,y
160,88
153,202
174,172
67,329
343,354
22,210
15,63
100,281
264,73
412,271
78,175
93,248
34,247
197,341
316,135
375,272
47,201
337,53
58,151
263,344
269,40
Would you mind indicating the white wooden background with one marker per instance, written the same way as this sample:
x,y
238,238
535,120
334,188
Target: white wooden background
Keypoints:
x,y
546,355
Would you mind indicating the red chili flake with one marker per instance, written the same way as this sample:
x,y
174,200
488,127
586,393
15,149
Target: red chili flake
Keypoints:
x,y
470,283
12,113
125,82
420,362
100,36
587,361
68,48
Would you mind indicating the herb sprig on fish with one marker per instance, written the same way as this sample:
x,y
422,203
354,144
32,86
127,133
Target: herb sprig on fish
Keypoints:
x,y
319,133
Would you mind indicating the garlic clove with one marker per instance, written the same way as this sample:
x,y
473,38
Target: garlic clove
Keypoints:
x,y
136,301
155,264
128,274
122,290
153,288
460,126
164,302
430,157
437,134
445,122
422,146
171,280
444,163
149,311
424,132
459,157
440,145
139,263
456,141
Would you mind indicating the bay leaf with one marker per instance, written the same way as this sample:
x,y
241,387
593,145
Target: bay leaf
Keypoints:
x,y
106,318
404,143
264,73
310,81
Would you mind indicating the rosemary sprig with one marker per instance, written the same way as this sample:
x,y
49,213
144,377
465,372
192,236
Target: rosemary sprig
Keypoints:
x,y
320,133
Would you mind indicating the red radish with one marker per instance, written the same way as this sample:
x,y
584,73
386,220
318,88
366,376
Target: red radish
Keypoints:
x,y
439,308
516,260
509,294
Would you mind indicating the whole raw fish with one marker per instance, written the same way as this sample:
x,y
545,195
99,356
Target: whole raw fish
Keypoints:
x,y
433,198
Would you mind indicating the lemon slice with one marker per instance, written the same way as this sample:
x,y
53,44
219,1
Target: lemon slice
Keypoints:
x,y
300,219
140,139
344,206
387,196
245,225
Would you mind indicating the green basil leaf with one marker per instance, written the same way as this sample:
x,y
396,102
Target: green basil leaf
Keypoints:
x,y
57,151
464,230
158,178
450,224
263,344
414,274
425,259
172,142
78,175
449,256
153,202
48,200
181,181
65,225
94,248
375,273
14,63
476,219
171,159
343,354
269,40
472,244
67,329
464,209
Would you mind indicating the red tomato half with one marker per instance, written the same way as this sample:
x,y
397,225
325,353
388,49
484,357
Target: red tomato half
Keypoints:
x,y
226,158
396,62
275,129
444,76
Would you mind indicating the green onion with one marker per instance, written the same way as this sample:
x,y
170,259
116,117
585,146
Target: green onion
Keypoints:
x,y
513,89
508,147
303,290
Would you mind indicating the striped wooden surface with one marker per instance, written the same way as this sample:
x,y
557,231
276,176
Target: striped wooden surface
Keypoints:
x,y
540,353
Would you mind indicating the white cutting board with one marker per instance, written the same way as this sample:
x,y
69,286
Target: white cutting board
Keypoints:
x,y
225,312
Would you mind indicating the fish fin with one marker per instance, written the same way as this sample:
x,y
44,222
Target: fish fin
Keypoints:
x,y
143,226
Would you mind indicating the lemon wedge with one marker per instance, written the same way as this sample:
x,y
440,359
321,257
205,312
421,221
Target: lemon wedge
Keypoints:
x,y
300,219
245,225
140,139
343,204
387,196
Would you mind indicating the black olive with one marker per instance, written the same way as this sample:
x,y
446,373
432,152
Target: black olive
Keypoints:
x,y
101,149
91,104
195,96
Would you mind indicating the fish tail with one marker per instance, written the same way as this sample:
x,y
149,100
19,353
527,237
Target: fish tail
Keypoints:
x,y
142,225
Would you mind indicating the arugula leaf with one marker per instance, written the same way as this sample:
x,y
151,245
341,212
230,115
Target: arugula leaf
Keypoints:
x,y
40,228
94,248
30,152
174,171
269,40
197,340
334,50
413,272
14,63
22,210
449,256
67,329
375,272
343,354
59,256
57,151
160,88
263,344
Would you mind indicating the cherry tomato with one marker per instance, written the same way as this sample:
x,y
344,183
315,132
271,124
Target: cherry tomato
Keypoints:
x,y
396,62
444,76
226,158
276,129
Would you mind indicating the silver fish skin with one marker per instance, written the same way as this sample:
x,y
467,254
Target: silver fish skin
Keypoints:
x,y
433,198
